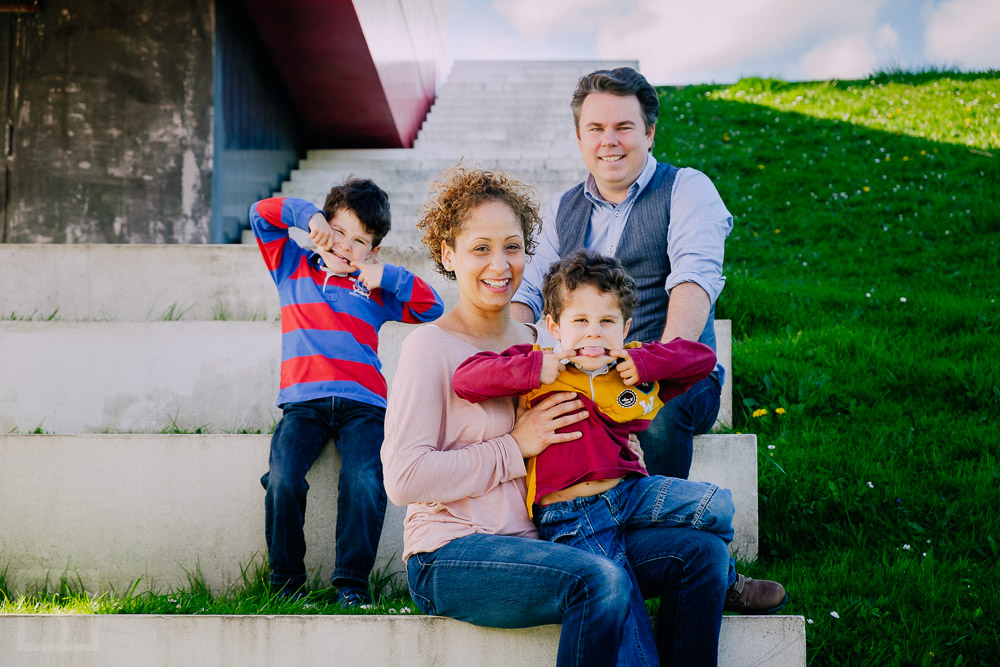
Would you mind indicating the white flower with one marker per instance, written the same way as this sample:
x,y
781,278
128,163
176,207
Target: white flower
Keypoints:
x,y
902,299
809,621
834,614
868,294
906,547
770,446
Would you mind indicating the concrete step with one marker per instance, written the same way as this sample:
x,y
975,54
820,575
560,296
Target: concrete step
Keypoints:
x,y
110,508
148,377
389,641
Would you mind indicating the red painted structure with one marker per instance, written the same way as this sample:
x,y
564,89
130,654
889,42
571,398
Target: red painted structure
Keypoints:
x,y
361,74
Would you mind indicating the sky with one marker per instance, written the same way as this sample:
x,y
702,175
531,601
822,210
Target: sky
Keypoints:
x,y
721,41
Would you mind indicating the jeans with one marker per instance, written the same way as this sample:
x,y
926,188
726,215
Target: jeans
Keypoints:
x,y
516,582
304,430
598,524
669,441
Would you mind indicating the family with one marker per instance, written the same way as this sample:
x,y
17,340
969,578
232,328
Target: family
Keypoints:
x,y
543,466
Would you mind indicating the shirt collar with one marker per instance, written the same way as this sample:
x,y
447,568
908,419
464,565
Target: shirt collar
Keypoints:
x,y
594,195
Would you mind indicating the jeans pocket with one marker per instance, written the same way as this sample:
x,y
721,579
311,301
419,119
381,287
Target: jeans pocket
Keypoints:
x,y
414,571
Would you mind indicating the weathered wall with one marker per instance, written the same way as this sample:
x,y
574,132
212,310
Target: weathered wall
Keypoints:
x,y
110,109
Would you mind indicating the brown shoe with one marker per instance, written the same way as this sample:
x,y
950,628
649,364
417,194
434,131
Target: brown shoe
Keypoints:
x,y
755,596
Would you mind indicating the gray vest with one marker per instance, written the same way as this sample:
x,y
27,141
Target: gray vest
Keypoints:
x,y
642,250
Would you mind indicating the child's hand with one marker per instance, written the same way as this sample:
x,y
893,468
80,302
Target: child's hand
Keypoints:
x,y
320,232
552,366
626,368
369,275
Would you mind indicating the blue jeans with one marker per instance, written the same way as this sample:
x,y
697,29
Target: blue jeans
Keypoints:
x,y
515,582
304,430
598,524
669,441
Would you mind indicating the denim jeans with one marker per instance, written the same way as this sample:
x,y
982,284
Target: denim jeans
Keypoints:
x,y
515,582
668,442
597,524
304,429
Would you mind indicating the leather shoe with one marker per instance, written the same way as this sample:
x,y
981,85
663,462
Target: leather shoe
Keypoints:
x,y
755,596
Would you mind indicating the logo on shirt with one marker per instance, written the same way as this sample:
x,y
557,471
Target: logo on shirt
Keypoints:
x,y
360,290
627,398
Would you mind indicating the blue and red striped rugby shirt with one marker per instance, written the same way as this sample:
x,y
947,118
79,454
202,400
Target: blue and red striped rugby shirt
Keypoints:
x,y
330,324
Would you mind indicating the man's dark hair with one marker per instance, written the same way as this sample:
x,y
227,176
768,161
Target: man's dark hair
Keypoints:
x,y
585,267
624,82
364,199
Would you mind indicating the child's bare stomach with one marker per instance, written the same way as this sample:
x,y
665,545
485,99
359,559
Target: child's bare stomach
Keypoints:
x,y
589,488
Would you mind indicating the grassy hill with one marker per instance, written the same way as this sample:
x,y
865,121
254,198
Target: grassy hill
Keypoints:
x,y
863,287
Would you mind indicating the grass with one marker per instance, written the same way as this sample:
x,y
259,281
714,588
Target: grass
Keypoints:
x,y
863,288
249,595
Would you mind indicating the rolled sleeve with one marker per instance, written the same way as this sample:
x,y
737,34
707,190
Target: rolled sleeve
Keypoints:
x,y
696,235
546,252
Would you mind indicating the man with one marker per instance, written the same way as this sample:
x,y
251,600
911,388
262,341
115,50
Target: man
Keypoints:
x,y
668,227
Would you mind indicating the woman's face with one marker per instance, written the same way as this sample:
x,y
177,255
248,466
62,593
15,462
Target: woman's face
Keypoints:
x,y
488,257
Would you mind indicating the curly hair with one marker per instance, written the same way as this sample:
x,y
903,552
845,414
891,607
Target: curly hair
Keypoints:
x,y
364,199
585,267
458,191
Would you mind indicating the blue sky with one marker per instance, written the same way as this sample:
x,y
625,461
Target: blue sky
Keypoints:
x,y
723,40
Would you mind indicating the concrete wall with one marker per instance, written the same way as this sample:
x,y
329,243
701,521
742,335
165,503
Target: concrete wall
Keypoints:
x,y
110,106
108,509
392,641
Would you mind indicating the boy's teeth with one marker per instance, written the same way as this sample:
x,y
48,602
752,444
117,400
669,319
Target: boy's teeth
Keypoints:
x,y
495,283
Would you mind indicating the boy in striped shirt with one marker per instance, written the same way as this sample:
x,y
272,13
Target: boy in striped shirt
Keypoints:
x,y
333,302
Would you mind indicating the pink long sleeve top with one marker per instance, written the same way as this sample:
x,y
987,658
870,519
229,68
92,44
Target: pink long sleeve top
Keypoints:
x,y
453,463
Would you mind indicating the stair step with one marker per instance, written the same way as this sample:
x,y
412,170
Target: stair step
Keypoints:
x,y
114,507
415,641
144,377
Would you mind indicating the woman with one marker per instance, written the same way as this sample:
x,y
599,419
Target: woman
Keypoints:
x,y
470,549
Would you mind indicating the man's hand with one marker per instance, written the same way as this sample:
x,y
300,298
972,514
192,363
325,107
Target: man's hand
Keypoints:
x,y
369,275
552,366
626,368
320,232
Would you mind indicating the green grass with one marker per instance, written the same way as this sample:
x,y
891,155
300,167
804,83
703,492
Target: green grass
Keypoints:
x,y
863,289
250,595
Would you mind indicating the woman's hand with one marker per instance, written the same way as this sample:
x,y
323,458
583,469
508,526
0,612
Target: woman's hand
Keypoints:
x,y
535,428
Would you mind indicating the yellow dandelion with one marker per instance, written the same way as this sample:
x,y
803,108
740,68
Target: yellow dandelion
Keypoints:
x,y
886,158
889,115
759,413
968,120
906,158
779,411
777,231
760,166
923,152
899,111
725,136
866,189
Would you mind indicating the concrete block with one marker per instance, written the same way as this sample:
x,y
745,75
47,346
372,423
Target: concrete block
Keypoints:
x,y
390,641
108,509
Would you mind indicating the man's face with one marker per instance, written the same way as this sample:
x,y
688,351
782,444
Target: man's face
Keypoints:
x,y
351,242
613,141
589,327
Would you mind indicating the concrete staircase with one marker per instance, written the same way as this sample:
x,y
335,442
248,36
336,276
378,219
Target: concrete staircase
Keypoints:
x,y
146,370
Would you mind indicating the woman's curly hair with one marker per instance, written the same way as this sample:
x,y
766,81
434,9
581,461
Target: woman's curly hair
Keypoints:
x,y
458,191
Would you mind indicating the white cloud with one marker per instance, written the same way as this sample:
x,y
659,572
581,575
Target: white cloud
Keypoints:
x,y
844,58
538,19
965,33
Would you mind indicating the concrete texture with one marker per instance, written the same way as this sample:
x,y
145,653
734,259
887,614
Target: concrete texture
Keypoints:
x,y
110,115
393,641
107,509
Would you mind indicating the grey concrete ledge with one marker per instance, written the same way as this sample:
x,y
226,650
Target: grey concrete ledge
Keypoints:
x,y
108,509
393,641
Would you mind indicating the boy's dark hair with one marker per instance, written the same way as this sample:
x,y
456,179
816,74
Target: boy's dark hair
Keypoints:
x,y
364,199
624,82
585,267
